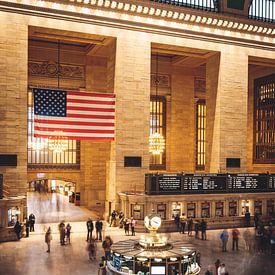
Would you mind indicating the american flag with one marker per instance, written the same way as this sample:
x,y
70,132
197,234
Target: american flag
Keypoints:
x,y
74,115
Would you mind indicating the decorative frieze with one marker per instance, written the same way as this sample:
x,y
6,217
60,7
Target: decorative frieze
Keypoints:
x,y
163,80
51,69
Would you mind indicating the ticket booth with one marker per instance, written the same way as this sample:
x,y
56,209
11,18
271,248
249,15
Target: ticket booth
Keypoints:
x,y
219,209
233,207
137,211
176,209
161,210
270,207
205,209
258,207
191,210
245,206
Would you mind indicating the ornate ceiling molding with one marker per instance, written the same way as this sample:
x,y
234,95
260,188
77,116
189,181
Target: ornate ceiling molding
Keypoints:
x,y
178,14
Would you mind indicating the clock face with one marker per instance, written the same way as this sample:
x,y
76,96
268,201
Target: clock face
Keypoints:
x,y
152,222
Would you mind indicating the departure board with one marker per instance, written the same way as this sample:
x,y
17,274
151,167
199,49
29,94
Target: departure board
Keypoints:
x,y
208,183
170,183
247,182
204,182
271,181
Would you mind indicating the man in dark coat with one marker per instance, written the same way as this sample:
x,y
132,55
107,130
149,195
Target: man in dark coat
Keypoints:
x,y
98,227
27,227
203,229
17,229
247,218
90,228
32,222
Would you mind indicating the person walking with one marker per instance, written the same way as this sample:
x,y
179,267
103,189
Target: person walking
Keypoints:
x,y
190,226
197,228
247,239
247,218
217,265
32,222
90,228
17,229
224,238
203,229
113,218
92,247
183,224
98,227
222,270
62,232
106,244
27,227
133,225
177,222
68,233
235,239
256,220
48,239
126,227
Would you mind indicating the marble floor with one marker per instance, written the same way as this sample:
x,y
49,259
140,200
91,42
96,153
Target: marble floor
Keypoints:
x,y
28,256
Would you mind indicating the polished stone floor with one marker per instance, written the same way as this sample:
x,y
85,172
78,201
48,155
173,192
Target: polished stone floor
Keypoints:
x,y
28,256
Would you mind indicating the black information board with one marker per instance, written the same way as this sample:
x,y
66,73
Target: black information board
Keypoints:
x,y
204,182
271,181
247,182
169,183
208,183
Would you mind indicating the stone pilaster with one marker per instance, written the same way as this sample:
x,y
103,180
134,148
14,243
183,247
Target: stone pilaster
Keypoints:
x,y
13,103
132,89
226,109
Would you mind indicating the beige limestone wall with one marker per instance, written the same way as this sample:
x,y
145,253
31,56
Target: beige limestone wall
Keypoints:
x,y
132,88
228,123
182,142
254,73
13,111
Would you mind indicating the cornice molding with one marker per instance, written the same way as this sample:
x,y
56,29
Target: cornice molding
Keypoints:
x,y
175,13
65,14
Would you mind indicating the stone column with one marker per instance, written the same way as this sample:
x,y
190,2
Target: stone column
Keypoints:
x,y
132,90
226,119
13,103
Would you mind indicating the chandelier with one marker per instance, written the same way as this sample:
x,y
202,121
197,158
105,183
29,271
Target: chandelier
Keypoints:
x,y
156,140
58,143
38,144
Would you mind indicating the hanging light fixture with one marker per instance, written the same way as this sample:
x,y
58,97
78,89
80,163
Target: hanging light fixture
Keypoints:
x,y
156,140
58,143
38,144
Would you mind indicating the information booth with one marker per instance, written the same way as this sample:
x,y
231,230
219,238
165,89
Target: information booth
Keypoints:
x,y
205,209
270,207
233,208
258,207
219,209
191,210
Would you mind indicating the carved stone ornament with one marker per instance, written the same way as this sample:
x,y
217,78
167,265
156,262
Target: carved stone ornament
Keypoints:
x,y
50,69
163,80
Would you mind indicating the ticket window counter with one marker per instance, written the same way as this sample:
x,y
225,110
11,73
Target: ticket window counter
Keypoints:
x,y
258,207
191,210
161,210
270,208
219,209
245,206
176,209
13,216
137,211
233,208
205,209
